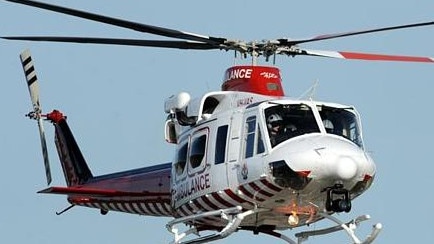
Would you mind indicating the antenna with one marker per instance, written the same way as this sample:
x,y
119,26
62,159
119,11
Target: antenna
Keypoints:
x,y
310,93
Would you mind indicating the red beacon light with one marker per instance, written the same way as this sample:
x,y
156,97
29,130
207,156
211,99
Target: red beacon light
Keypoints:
x,y
263,80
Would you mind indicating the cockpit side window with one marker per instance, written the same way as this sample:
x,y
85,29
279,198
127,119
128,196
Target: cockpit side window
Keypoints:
x,y
197,151
220,145
181,159
254,143
288,121
250,135
341,122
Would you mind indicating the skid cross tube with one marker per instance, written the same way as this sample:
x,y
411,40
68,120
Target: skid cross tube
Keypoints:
x,y
234,216
349,227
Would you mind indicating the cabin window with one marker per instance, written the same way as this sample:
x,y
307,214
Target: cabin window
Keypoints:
x,y
260,148
181,159
209,105
250,135
197,153
220,149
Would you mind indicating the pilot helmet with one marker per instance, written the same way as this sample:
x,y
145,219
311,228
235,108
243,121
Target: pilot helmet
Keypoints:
x,y
328,125
274,119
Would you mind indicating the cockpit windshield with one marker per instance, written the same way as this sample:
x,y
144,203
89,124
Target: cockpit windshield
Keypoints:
x,y
342,122
289,120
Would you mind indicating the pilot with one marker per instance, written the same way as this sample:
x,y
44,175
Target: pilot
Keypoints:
x,y
275,128
328,125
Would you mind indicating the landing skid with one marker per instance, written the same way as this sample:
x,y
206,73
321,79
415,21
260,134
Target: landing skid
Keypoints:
x,y
234,216
349,227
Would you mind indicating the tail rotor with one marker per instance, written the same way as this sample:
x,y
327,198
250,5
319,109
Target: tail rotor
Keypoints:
x,y
36,114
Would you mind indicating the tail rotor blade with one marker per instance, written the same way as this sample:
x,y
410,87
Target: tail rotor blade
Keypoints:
x,y
31,78
32,83
44,151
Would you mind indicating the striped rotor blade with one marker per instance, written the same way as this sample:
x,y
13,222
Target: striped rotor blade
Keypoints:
x,y
31,78
44,151
116,41
352,33
156,30
367,56
33,85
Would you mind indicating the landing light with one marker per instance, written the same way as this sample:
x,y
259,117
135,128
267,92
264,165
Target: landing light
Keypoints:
x,y
293,220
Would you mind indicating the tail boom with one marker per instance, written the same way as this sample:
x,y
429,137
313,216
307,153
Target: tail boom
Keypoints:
x,y
144,191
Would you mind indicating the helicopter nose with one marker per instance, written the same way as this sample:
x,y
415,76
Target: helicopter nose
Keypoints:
x,y
342,159
327,157
346,168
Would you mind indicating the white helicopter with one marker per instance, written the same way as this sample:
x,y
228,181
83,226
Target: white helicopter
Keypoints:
x,y
247,157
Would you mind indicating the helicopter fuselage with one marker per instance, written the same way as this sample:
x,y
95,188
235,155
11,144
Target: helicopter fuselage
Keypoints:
x,y
227,159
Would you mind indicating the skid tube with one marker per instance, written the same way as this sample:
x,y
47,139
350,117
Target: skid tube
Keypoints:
x,y
349,227
234,216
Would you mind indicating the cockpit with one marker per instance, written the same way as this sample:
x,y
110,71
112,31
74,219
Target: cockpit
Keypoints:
x,y
342,122
286,121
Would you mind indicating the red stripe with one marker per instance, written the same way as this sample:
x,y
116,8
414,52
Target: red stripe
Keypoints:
x,y
261,191
133,208
189,208
105,206
94,205
112,206
368,56
152,212
128,208
207,201
181,211
167,208
160,209
247,193
197,204
122,206
235,197
270,185
136,206
157,209
221,200
139,205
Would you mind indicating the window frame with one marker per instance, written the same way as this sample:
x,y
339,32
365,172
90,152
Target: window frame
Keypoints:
x,y
181,146
221,144
195,136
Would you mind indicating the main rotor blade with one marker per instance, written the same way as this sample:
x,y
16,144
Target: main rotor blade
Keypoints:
x,y
116,41
366,56
123,23
353,33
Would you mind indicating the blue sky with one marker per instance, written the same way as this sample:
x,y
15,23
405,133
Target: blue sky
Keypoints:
x,y
113,97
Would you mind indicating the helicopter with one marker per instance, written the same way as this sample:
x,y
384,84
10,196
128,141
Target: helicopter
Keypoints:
x,y
259,184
